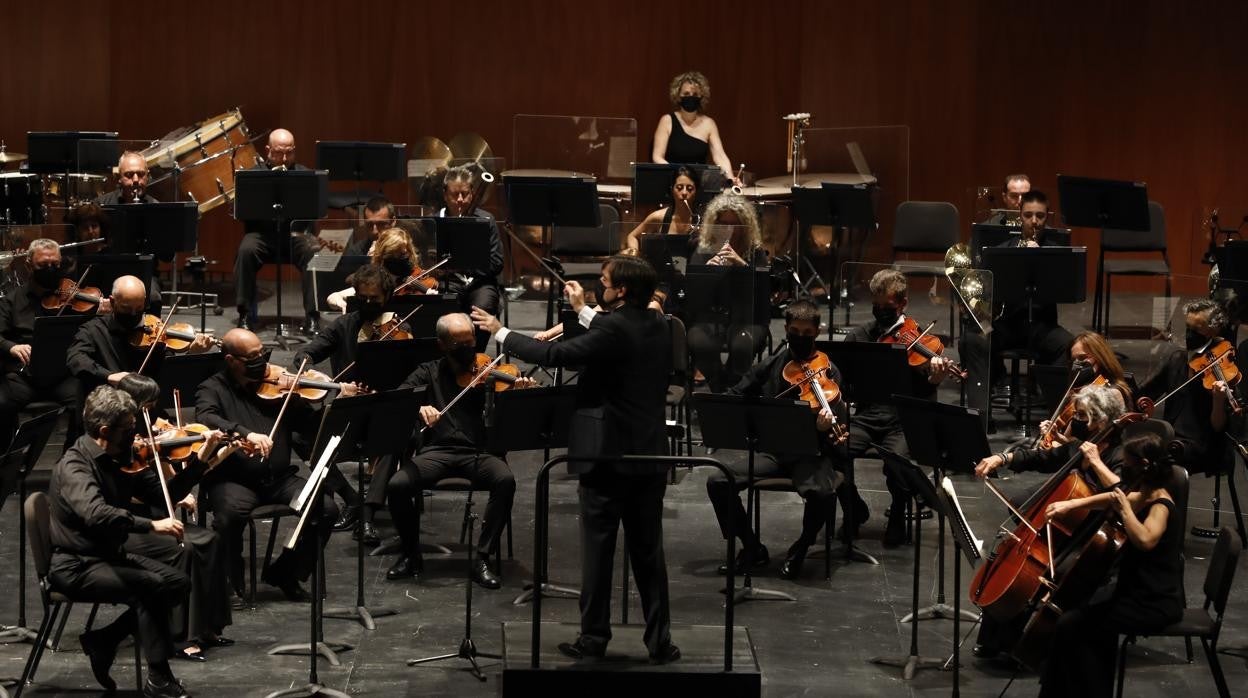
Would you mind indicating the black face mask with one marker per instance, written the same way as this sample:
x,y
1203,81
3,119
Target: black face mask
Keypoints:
x,y
800,346
255,369
885,317
1194,340
47,277
691,103
1080,429
121,443
401,267
369,310
1084,373
128,321
463,355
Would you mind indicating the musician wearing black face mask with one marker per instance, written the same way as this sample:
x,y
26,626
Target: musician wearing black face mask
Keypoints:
x,y
337,342
451,447
228,401
687,135
18,311
816,478
880,424
1199,416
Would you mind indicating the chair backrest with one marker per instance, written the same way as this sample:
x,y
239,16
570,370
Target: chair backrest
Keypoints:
x,y
1221,572
589,242
39,531
1136,241
925,226
680,348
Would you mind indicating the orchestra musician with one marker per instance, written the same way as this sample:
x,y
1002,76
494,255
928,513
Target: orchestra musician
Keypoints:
x,y
378,216
393,251
676,219
90,221
476,288
1018,327
880,423
372,287
263,242
87,221
1096,407
619,410
730,235
1093,358
816,478
18,311
452,447
687,134
1148,592
132,176
1015,186
228,401
91,523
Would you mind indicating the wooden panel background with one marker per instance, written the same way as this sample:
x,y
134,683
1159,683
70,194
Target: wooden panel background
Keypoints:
x,y
1152,90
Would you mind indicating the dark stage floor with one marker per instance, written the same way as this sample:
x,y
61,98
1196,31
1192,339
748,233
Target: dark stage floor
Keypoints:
x,y
818,645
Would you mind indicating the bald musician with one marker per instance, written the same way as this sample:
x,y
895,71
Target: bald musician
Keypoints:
x,y
132,176
264,242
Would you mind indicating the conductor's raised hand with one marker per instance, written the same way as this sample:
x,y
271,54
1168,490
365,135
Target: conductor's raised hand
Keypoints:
x,y
484,321
575,294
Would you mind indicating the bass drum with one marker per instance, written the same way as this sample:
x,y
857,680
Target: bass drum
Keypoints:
x,y
201,160
21,199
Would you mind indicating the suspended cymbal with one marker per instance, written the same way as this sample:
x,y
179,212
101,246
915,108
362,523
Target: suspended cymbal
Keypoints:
x,y
470,146
6,157
430,148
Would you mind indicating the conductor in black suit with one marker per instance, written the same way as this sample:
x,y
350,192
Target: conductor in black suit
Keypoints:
x,y
626,354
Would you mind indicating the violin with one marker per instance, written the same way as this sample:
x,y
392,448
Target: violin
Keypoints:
x,y
819,391
1066,413
80,299
921,347
1217,363
503,376
420,280
177,336
177,445
313,385
390,329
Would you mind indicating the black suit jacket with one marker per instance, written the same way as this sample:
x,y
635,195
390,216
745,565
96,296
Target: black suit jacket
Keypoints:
x,y
621,393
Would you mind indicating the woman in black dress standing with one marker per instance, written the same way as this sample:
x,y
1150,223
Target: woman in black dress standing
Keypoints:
x,y
1149,591
687,135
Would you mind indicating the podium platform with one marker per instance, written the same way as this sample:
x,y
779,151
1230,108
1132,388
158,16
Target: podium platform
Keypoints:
x,y
626,669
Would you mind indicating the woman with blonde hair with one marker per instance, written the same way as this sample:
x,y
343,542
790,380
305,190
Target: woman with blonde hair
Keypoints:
x,y
393,251
687,135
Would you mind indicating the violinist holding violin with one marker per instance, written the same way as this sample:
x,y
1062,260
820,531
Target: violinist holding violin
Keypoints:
x,y
230,402
1092,362
879,423
18,311
393,251
816,478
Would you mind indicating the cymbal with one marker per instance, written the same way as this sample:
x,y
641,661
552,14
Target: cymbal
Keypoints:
x,y
430,148
470,146
6,157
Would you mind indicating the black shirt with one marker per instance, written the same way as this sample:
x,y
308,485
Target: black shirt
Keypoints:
x,y
89,494
18,311
879,414
1190,410
102,348
463,427
221,403
1150,583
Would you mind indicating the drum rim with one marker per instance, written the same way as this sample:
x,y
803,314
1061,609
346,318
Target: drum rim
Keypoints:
x,y
226,122
214,156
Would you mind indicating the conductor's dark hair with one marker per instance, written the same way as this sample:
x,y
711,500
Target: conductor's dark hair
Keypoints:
x,y
634,274
802,311
373,274
1035,196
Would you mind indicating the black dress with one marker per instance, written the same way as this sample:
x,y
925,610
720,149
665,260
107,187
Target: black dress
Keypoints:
x,y
1148,597
683,148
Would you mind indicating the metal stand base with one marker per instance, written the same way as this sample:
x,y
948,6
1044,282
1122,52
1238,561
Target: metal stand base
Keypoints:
x,y
855,554
939,611
308,691
467,650
549,591
10,634
283,337
328,650
910,665
758,594
363,614
394,545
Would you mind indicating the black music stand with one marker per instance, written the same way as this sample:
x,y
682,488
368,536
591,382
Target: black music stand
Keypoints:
x,y
1037,275
360,162
385,365
1103,203
662,251
777,426
378,424
50,347
280,197
162,229
843,206
528,420
107,268
466,241
432,307
65,152
991,235
317,645
720,294
946,438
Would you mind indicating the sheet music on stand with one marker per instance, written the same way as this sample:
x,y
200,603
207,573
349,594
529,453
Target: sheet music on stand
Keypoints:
x,y
972,547
324,261
314,480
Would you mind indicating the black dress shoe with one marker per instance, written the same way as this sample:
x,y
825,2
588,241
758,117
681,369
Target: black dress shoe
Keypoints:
x,y
666,655
184,655
371,538
163,688
406,566
985,652
484,576
288,585
347,519
761,560
581,650
792,567
101,655
895,531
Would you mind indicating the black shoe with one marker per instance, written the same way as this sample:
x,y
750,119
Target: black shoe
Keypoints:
x,y
156,687
761,560
792,567
484,576
895,530
371,538
101,655
188,656
406,566
346,520
287,584
311,325
666,655
581,650
985,652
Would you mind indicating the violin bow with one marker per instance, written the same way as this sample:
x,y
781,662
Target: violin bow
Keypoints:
x,y
1216,360
472,383
537,258
1060,405
383,337
159,335
77,286
285,403
160,471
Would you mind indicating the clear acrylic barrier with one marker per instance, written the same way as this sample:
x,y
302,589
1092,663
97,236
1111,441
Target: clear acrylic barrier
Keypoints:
x,y
956,307
97,165
330,238
603,147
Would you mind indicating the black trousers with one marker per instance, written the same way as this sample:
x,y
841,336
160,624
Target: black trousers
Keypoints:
x,y
707,339
149,587
1084,654
405,490
814,478
487,296
207,609
17,391
255,251
862,435
607,500
231,502
1049,343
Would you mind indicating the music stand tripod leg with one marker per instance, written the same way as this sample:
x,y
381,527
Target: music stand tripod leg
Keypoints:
x,y
360,611
912,662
